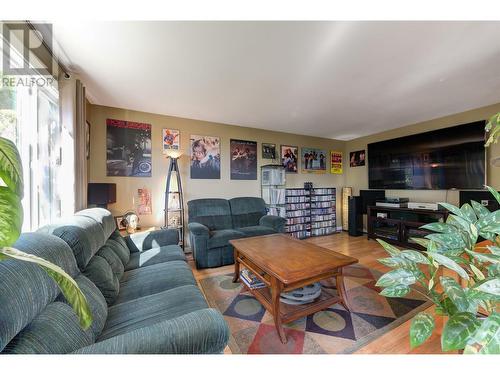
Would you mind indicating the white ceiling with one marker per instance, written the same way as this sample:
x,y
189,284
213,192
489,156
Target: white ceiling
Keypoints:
x,y
337,80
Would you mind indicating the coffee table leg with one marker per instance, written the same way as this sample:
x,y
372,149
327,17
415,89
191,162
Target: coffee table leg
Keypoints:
x,y
341,290
276,288
236,266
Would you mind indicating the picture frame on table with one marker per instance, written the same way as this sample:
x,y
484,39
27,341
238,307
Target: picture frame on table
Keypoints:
x,y
119,223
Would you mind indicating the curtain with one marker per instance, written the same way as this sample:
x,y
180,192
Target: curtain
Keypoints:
x,y
80,148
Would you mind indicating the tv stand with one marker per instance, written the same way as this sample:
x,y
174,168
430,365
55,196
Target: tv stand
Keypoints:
x,y
398,225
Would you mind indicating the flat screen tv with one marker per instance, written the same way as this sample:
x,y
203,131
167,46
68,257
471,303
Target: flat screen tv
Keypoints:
x,y
441,159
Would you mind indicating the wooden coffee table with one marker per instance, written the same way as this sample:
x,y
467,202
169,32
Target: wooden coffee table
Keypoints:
x,y
284,264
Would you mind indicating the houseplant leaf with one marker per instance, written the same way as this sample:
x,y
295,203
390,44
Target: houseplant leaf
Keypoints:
x,y
450,264
392,250
468,212
486,340
452,208
421,329
480,210
490,223
396,291
399,276
68,286
440,227
494,270
455,292
397,262
415,256
424,242
495,193
484,257
11,171
458,329
491,286
11,216
450,240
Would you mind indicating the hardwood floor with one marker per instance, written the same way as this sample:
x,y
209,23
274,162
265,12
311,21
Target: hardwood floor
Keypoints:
x,y
395,341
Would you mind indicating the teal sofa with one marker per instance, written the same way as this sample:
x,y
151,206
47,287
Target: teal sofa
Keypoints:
x,y
213,222
142,293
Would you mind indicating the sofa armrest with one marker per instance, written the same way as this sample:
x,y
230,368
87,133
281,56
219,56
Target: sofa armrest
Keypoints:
x,y
147,240
198,229
275,222
199,332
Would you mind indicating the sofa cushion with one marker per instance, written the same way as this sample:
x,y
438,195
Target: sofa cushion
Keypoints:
x,y
113,260
256,230
102,216
118,245
83,234
97,303
101,274
154,279
246,211
19,305
155,256
56,330
219,238
214,213
148,310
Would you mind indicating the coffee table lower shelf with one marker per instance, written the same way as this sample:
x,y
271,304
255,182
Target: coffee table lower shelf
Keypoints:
x,y
289,313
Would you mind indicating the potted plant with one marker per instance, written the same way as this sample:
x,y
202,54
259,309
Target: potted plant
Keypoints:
x,y
470,299
11,217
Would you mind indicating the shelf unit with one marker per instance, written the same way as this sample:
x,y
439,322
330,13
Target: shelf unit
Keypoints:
x,y
174,203
398,225
323,211
273,180
298,212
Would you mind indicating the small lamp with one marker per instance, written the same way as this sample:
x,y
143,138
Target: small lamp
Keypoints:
x,y
101,194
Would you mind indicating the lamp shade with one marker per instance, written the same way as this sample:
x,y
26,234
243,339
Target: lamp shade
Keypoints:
x,y
101,193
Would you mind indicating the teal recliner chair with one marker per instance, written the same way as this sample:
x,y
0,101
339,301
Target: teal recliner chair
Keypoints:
x,y
213,222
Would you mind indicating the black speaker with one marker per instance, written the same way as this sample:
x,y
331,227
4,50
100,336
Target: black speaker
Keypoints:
x,y
355,216
100,194
481,196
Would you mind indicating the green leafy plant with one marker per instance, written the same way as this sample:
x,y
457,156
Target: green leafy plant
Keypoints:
x,y
471,305
493,129
11,219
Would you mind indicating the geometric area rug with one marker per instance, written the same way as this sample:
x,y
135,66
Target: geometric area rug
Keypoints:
x,y
331,331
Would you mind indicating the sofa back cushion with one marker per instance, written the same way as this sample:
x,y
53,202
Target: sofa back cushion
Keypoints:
x,y
83,234
119,246
102,216
101,274
247,211
34,315
213,213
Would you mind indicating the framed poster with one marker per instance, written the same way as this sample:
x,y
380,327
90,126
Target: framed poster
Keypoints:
x,y
128,148
336,162
289,158
313,160
205,157
171,140
243,159
357,158
268,151
144,202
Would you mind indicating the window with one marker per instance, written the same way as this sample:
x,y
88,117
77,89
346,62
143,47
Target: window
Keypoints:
x,y
30,117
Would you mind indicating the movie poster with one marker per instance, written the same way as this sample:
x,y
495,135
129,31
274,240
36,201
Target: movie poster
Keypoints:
x,y
268,151
243,160
289,158
313,160
205,157
171,140
336,162
128,148
144,202
357,158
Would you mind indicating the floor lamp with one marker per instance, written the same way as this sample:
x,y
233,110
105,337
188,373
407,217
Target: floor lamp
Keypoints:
x,y
174,203
346,193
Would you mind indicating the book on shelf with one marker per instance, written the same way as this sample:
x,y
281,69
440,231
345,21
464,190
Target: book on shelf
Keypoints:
x,y
252,281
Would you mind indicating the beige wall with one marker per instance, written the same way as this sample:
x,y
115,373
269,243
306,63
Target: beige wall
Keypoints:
x,y
357,177
224,188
